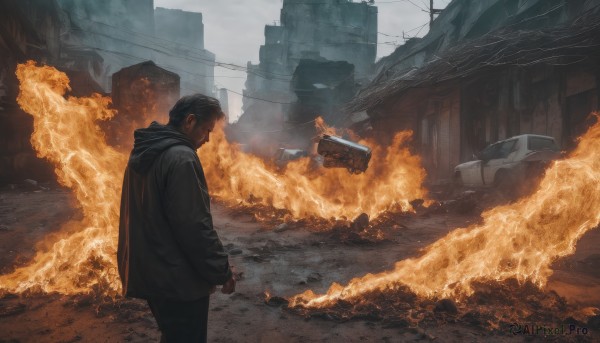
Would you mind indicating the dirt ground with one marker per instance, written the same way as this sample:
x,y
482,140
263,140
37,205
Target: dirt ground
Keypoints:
x,y
279,259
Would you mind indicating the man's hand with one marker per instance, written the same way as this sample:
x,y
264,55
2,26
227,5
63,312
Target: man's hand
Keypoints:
x,y
229,286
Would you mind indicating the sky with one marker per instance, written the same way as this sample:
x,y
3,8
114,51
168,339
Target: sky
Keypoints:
x,y
234,31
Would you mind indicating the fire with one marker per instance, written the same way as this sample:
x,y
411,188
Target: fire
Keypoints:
x,y
519,240
66,132
393,179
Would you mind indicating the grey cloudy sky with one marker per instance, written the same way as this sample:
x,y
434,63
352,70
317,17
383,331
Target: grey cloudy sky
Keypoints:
x,y
234,31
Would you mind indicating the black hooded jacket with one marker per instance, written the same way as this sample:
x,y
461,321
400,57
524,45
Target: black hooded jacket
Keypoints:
x,y
167,245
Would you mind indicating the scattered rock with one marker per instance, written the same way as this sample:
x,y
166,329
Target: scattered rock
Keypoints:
x,y
4,228
281,227
236,251
446,305
361,222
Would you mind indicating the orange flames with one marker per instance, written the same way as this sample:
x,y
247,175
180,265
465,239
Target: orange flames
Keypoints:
x,y
393,179
66,133
518,240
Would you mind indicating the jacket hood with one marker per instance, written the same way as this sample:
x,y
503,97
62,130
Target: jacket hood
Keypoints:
x,y
150,142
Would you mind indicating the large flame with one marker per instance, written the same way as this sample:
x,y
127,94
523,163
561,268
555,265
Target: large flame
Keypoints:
x,y
519,240
393,179
67,134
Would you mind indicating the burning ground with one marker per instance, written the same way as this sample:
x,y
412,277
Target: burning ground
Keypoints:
x,y
431,279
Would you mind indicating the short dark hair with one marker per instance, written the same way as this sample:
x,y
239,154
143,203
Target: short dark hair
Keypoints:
x,y
204,107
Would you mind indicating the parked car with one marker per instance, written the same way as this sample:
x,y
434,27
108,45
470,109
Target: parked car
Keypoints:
x,y
509,163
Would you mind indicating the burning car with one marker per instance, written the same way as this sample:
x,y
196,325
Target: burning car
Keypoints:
x,y
508,163
340,153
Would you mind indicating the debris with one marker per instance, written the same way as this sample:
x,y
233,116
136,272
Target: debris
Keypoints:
x,y
281,228
4,228
361,222
341,153
446,305
417,203
236,251
11,310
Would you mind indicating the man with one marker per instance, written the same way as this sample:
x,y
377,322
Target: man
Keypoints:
x,y
168,251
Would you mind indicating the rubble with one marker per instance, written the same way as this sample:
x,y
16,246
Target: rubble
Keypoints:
x,y
446,305
493,307
281,228
361,222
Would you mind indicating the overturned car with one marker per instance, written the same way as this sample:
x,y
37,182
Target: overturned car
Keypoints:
x,y
340,153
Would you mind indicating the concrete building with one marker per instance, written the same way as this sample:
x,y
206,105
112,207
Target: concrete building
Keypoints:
x,y
324,30
125,33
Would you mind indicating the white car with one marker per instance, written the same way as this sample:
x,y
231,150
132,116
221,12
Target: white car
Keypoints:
x,y
508,163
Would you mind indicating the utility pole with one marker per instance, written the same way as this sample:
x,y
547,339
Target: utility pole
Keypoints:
x,y
432,11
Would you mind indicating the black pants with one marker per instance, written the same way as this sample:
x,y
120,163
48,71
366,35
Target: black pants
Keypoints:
x,y
181,322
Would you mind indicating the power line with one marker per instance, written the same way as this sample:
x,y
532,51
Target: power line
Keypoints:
x,y
153,39
282,130
409,1
255,98
189,58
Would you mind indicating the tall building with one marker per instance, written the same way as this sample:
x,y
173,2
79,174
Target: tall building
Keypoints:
x,y
125,33
324,31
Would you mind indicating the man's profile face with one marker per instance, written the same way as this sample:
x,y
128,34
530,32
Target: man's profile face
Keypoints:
x,y
198,133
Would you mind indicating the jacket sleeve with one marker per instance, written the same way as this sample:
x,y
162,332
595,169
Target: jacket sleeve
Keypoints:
x,y
187,207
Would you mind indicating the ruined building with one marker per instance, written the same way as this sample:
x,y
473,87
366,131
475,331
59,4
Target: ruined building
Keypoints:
x,y
486,71
321,31
125,33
